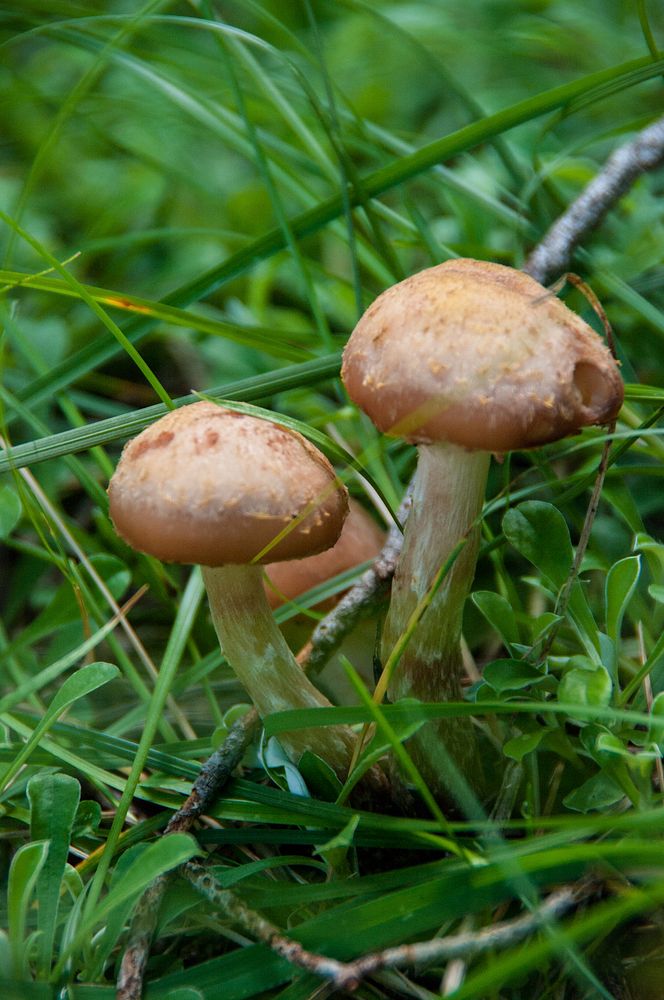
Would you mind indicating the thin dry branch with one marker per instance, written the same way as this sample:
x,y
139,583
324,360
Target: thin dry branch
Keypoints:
x,y
258,926
214,774
469,944
348,975
553,253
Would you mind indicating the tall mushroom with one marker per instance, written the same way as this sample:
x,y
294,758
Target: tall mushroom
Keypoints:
x,y
465,359
211,486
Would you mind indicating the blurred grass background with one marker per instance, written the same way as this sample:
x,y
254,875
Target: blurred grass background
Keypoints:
x,y
229,186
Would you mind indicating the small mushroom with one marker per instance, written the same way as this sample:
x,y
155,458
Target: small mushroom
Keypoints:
x,y
212,486
465,359
360,540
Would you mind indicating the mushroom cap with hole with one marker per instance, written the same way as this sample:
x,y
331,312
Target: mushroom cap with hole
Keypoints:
x,y
212,486
360,540
482,356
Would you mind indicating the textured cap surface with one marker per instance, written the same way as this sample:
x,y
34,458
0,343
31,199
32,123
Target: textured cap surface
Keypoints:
x,y
361,539
212,486
481,355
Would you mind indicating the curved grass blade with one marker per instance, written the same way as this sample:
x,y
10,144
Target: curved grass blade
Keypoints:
x,y
78,685
127,425
100,313
262,338
404,713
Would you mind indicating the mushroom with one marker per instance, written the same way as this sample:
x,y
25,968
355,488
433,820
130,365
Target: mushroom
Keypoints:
x,y
360,540
465,359
212,486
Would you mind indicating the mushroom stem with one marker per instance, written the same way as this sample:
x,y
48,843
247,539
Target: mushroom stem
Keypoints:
x,y
448,494
261,658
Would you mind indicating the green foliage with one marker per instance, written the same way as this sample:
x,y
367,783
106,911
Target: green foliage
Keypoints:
x,y
197,202
54,799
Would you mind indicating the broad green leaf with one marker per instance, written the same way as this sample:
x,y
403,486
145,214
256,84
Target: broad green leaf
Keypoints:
x,y
235,712
10,511
78,685
583,619
160,856
538,531
113,572
539,627
54,799
581,686
73,882
511,675
599,792
219,736
525,743
23,874
107,939
499,614
608,655
281,769
617,494
610,745
621,583
319,777
609,751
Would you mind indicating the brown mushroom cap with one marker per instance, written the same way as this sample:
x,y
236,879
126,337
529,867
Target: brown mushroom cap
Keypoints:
x,y
480,355
212,486
361,539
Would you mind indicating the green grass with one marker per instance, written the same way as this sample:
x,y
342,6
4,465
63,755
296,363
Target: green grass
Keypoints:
x,y
197,203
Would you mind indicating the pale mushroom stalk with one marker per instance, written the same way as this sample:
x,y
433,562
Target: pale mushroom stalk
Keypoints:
x,y
465,359
263,662
448,493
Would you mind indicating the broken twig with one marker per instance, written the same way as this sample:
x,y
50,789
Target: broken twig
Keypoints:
x,y
348,975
